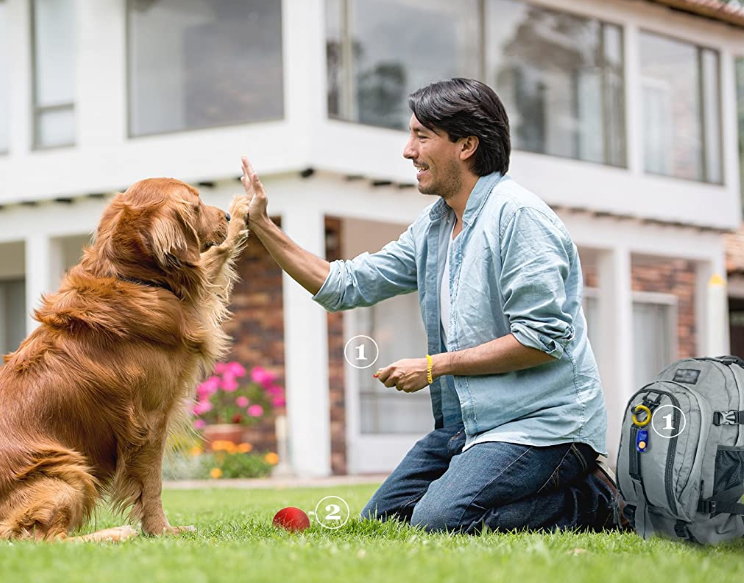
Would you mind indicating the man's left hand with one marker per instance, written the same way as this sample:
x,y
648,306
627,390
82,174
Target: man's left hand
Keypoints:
x,y
407,375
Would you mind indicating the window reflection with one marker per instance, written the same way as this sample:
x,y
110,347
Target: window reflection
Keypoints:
x,y
560,76
203,63
681,115
394,47
561,80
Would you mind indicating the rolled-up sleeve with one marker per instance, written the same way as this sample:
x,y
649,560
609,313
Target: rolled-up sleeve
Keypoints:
x,y
536,260
371,277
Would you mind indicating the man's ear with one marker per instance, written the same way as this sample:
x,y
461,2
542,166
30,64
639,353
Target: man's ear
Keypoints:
x,y
173,241
468,146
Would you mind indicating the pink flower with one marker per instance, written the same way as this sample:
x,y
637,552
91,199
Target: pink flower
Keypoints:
x,y
208,387
262,376
242,401
200,424
278,401
255,410
275,389
229,384
220,367
202,407
235,369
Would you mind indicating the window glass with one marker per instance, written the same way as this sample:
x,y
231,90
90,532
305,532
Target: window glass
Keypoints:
x,y
681,110
203,63
560,77
396,326
54,72
12,315
390,48
653,327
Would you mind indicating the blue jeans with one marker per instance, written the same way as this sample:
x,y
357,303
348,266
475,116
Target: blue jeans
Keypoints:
x,y
503,486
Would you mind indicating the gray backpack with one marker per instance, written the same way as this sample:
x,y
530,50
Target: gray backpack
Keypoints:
x,y
680,466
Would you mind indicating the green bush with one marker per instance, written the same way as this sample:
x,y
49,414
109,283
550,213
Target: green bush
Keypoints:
x,y
186,466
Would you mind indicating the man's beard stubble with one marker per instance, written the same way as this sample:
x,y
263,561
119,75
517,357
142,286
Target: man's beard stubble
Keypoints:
x,y
446,187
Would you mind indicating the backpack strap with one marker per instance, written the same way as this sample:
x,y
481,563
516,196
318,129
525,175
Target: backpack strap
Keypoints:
x,y
728,418
722,503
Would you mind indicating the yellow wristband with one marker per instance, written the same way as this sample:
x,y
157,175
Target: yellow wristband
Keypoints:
x,y
429,364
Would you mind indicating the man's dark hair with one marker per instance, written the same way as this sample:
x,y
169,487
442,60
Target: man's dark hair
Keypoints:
x,y
466,107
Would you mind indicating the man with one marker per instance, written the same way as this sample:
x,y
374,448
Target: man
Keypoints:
x,y
518,406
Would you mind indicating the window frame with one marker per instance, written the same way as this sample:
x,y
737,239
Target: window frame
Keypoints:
x,y
699,50
347,106
38,110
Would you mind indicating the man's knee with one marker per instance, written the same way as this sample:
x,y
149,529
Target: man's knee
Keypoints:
x,y
436,518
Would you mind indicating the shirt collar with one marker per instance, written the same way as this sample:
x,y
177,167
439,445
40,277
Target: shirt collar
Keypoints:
x,y
477,197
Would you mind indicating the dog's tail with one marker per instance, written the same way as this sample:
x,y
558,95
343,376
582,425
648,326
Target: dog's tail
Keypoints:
x,y
53,494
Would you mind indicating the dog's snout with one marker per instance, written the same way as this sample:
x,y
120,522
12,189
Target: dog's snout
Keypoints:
x,y
227,216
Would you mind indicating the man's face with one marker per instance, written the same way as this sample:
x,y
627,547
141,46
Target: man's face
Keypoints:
x,y
436,158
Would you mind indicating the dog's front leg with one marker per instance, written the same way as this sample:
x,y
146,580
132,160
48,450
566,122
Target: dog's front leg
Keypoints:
x,y
145,467
218,261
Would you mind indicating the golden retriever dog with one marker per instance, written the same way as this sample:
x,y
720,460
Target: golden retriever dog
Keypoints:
x,y
87,400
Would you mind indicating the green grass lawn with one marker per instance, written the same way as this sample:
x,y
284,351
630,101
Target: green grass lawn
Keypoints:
x,y
235,541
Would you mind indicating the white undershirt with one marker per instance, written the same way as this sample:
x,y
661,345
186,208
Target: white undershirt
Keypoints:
x,y
444,293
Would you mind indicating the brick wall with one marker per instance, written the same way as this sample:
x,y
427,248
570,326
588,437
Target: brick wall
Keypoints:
x,y
336,343
671,276
257,328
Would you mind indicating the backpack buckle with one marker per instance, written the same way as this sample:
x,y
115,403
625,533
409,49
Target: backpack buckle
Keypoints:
x,y
726,418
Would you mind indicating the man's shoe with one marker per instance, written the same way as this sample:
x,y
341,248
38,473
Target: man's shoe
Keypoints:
x,y
604,473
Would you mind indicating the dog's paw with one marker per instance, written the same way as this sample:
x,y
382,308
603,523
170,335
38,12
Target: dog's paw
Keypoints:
x,y
239,208
110,535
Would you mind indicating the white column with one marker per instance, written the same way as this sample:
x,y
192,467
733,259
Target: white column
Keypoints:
x,y
305,69
711,308
633,100
306,355
615,360
43,269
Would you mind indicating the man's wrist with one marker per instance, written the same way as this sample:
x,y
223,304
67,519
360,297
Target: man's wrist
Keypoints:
x,y
260,224
441,364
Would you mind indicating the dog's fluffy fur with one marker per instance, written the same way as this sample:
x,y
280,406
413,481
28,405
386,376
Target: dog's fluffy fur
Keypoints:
x,y
87,400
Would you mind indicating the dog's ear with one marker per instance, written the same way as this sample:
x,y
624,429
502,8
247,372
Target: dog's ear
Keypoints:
x,y
173,240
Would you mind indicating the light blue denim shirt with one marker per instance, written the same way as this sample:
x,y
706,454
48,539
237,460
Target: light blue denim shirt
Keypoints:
x,y
513,269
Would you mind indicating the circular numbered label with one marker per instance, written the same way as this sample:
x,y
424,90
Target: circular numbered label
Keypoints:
x,y
332,512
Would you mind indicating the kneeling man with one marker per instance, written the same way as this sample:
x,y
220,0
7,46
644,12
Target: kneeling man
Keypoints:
x,y
519,413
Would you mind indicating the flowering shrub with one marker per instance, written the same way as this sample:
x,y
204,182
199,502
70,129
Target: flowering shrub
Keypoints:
x,y
227,460
229,397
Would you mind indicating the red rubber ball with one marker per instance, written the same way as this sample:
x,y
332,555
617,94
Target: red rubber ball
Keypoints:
x,y
292,519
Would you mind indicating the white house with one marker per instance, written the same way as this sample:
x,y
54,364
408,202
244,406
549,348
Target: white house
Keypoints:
x,y
624,120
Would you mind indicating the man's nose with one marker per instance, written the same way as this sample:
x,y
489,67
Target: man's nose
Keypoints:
x,y
408,152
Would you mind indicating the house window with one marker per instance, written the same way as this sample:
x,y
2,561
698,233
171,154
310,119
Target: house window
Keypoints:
x,y
654,332
560,77
54,57
202,64
396,326
380,51
12,315
4,89
681,109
